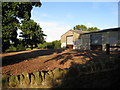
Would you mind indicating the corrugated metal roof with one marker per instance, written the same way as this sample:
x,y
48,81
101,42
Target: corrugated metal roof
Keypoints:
x,y
88,32
104,30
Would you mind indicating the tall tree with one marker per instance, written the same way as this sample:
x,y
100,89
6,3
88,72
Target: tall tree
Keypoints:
x,y
12,12
32,34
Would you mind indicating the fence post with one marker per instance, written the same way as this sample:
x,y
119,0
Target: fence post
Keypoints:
x,y
108,49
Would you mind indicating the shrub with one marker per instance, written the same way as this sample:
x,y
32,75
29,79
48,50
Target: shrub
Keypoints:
x,y
28,48
50,45
20,47
12,48
57,44
42,46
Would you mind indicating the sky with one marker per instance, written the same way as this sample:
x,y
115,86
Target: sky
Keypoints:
x,y
56,18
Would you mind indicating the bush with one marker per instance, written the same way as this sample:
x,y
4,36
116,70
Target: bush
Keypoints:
x,y
50,45
57,44
42,46
29,48
12,48
20,47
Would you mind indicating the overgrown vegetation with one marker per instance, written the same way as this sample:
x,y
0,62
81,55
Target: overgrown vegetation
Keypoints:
x,y
19,47
46,45
50,45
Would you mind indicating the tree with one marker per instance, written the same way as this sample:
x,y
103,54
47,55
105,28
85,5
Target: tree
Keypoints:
x,y
12,13
85,28
93,29
32,34
80,27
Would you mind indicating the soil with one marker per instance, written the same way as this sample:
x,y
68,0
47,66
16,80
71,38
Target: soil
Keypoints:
x,y
16,63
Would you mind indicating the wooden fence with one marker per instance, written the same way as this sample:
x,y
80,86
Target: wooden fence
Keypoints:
x,y
108,48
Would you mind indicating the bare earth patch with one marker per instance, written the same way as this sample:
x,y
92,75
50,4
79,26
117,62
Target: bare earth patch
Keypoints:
x,y
44,60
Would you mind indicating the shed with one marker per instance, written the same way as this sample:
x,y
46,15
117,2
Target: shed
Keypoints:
x,y
99,39
68,40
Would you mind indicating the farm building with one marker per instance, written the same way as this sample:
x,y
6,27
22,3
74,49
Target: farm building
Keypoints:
x,y
91,40
70,37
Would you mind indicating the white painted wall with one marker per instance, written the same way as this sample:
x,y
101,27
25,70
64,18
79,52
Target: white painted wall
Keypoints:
x,y
63,45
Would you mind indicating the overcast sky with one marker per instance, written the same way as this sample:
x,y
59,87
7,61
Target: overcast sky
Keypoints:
x,y
56,18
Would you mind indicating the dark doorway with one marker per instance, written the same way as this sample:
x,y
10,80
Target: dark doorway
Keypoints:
x,y
70,46
96,42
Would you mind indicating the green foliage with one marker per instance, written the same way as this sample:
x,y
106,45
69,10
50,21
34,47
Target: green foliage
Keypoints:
x,y
57,44
50,45
85,28
12,48
12,13
32,34
54,44
80,27
42,46
19,47
28,48
93,29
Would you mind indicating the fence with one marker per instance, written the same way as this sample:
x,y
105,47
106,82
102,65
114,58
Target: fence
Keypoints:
x,y
108,48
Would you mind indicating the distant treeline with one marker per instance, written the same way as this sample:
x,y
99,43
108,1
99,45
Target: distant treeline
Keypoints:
x,y
46,45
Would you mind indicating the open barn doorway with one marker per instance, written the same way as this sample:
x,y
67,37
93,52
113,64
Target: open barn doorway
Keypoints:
x,y
69,42
96,42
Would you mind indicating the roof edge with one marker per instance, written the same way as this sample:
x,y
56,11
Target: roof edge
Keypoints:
x,y
104,30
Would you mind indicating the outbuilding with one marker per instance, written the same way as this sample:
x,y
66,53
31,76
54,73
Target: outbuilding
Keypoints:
x,y
97,40
85,40
68,40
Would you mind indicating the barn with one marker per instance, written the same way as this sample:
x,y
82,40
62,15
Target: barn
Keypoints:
x,y
68,40
95,40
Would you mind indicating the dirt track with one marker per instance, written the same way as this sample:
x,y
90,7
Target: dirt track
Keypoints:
x,y
44,60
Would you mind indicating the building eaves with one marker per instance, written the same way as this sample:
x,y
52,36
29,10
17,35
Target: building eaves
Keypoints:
x,y
65,33
104,30
77,31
